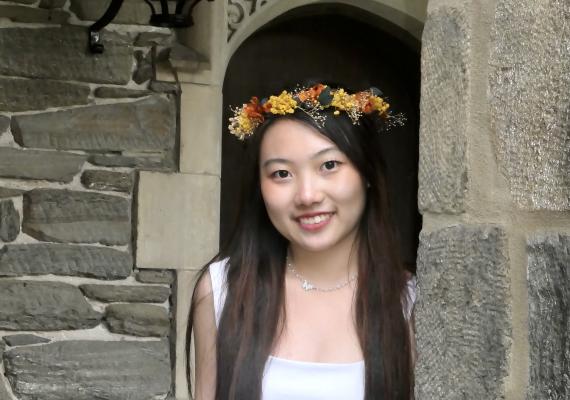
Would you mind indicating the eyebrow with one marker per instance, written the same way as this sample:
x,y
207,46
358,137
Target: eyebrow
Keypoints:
x,y
285,161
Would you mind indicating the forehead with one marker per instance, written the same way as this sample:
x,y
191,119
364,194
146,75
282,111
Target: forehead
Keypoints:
x,y
292,139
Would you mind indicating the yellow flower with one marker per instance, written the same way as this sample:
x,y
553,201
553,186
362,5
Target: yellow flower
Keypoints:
x,y
282,104
342,100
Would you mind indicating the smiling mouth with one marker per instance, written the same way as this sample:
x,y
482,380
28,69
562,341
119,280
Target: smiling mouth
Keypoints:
x,y
315,220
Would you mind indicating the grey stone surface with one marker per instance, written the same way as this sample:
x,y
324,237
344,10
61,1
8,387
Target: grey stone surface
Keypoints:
x,y
52,3
154,38
39,94
4,123
126,294
549,316
36,164
443,109
131,12
463,319
7,193
76,217
4,395
60,53
156,161
143,125
160,86
9,221
137,319
155,276
24,1
89,370
119,92
30,15
44,306
24,340
529,87
145,68
65,259
108,180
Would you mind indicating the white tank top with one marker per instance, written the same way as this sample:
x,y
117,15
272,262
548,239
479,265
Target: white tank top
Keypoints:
x,y
300,380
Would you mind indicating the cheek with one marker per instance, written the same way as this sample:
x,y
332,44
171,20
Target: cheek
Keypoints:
x,y
273,197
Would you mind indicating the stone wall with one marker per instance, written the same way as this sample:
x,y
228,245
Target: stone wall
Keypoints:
x,y
78,319
493,312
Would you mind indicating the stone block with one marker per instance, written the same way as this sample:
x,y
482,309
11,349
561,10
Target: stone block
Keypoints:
x,y
36,164
126,294
76,217
108,180
24,1
119,92
4,394
154,39
4,123
52,3
64,259
39,94
154,161
7,193
201,127
529,88
44,306
186,204
33,15
145,69
463,320
143,125
131,12
87,370
166,87
443,109
59,53
24,340
155,276
9,221
549,316
138,319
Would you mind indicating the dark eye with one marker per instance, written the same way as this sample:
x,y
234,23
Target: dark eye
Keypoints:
x,y
280,174
330,165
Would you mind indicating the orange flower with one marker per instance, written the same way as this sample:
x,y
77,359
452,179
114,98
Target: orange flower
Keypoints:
x,y
253,109
311,93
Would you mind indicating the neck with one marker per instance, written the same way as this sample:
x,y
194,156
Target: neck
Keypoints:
x,y
326,267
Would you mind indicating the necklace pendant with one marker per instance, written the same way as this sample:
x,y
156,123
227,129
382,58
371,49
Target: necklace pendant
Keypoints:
x,y
307,286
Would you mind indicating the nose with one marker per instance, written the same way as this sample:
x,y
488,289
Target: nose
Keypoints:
x,y
309,191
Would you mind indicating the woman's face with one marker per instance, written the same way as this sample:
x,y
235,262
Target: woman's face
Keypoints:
x,y
314,195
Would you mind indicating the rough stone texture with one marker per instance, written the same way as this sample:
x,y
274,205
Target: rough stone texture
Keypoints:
x,y
126,294
158,161
4,123
76,217
7,193
154,38
24,1
145,68
131,12
168,87
143,125
33,164
9,221
119,92
549,316
64,259
155,276
52,3
4,395
463,313
530,100
443,108
137,319
60,53
44,306
30,15
24,340
108,180
39,94
88,370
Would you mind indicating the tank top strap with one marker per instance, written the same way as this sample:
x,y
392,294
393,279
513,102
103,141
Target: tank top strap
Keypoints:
x,y
218,275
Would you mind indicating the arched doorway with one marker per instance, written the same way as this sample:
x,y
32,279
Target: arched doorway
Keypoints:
x,y
348,46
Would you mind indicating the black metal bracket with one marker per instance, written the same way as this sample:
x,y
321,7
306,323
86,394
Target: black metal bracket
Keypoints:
x,y
95,39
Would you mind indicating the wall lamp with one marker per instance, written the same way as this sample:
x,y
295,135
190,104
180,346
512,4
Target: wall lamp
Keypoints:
x,y
181,18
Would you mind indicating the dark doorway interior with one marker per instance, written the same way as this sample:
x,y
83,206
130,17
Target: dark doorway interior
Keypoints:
x,y
332,43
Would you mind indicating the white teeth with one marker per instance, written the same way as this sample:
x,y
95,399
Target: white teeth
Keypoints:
x,y
314,220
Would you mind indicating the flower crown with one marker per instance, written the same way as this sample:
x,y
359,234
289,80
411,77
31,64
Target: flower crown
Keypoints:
x,y
311,100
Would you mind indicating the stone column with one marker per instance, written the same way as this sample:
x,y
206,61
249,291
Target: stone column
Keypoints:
x,y
492,316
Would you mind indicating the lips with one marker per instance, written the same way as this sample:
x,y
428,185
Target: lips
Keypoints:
x,y
314,221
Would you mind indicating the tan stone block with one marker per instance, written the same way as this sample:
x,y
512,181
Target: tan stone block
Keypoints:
x,y
178,220
201,129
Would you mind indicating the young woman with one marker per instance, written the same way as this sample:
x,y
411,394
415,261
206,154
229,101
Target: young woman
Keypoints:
x,y
310,299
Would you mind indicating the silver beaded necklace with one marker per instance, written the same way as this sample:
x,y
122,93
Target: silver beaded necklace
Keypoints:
x,y
308,286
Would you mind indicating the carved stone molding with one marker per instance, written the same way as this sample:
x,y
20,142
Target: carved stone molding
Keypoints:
x,y
238,10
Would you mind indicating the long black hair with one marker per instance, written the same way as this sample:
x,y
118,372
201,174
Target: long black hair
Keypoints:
x,y
254,307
